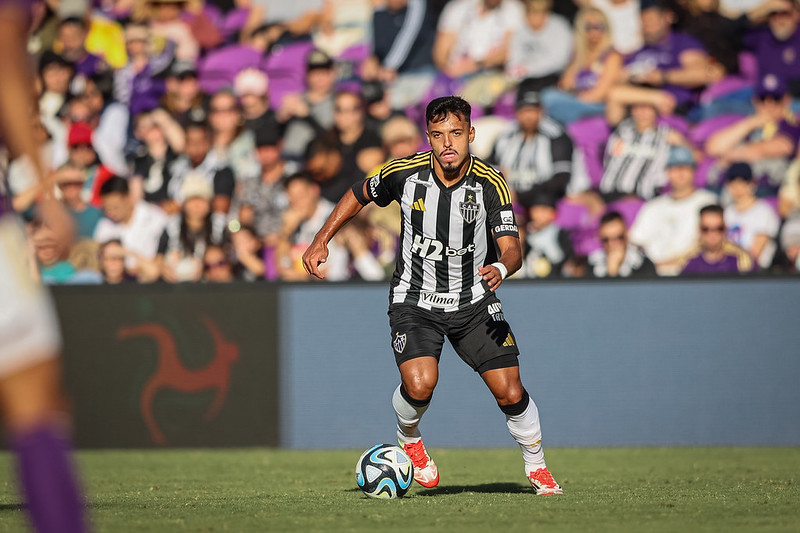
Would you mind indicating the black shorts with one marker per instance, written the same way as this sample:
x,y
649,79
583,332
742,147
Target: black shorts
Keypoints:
x,y
480,335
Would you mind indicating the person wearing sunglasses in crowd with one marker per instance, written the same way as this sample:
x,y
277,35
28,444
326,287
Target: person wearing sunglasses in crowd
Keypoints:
x,y
618,257
715,254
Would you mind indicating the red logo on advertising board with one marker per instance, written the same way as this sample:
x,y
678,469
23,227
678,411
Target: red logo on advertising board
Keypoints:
x,y
171,373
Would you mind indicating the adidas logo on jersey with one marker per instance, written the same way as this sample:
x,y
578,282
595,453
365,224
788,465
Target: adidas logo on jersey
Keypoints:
x,y
509,341
419,205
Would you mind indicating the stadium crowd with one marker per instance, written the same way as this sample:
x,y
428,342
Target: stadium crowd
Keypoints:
x,y
196,140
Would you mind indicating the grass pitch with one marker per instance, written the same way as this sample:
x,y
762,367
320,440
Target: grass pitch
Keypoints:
x,y
638,490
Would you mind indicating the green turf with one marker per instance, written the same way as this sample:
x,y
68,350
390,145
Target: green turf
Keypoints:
x,y
638,490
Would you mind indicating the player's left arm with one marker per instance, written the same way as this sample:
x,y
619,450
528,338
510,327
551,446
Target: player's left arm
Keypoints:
x,y
510,261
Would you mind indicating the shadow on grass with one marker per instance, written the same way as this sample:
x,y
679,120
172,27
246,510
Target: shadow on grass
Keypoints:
x,y
486,488
11,507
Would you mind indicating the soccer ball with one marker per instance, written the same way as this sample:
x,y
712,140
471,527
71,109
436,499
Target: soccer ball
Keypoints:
x,y
384,471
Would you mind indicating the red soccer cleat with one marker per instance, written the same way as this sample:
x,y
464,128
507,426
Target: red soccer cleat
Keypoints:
x,y
425,471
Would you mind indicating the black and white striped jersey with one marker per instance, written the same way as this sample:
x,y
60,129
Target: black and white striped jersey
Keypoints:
x,y
634,162
447,232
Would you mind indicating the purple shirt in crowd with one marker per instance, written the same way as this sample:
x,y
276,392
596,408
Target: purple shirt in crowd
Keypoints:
x,y
90,65
665,55
735,260
146,91
779,58
791,129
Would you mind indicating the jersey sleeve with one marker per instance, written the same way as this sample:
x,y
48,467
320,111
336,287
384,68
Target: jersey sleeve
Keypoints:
x,y
382,187
499,211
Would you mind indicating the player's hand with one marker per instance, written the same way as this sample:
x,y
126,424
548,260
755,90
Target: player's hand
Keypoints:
x,y
314,256
491,275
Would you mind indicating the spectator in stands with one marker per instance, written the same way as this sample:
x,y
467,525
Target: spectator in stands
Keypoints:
x,y
664,73
138,225
789,193
472,43
109,119
777,47
166,20
83,258
400,137
790,243
217,268
306,214
540,50
71,41
359,145
183,243
716,254
767,139
666,226
56,74
624,17
70,179
230,141
249,252
618,257
311,113
199,159
594,68
112,263
547,247
138,85
403,33
162,139
51,255
183,99
81,151
535,155
251,87
751,222
261,202
636,154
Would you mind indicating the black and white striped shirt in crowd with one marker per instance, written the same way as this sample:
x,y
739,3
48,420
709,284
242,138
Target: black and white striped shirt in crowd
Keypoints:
x,y
534,160
447,232
634,162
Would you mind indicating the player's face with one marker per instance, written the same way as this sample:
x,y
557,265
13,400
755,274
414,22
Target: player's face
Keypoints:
x,y
712,231
450,140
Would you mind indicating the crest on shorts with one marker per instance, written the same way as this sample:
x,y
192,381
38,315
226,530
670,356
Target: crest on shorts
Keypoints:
x,y
469,209
399,342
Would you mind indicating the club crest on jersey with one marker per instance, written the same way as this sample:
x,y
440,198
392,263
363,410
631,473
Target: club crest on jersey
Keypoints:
x,y
399,342
469,209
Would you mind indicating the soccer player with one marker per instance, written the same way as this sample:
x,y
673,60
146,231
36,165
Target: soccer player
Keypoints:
x,y
456,214
29,338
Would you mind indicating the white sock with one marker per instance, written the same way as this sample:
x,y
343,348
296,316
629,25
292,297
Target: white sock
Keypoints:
x,y
526,430
408,417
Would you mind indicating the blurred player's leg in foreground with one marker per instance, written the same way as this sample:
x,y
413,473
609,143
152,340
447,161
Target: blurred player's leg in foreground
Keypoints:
x,y
29,336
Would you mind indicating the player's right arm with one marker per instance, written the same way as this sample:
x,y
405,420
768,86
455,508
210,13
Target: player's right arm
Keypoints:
x,y
317,253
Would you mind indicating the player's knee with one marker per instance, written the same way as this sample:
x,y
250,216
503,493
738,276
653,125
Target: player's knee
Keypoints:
x,y
419,387
514,400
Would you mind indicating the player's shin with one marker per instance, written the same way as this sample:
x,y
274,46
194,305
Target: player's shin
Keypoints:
x,y
48,480
409,412
522,419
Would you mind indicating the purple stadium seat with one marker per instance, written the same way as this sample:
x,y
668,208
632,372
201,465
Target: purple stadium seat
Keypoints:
x,y
580,224
220,67
701,132
504,106
591,134
677,123
286,68
728,85
748,66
